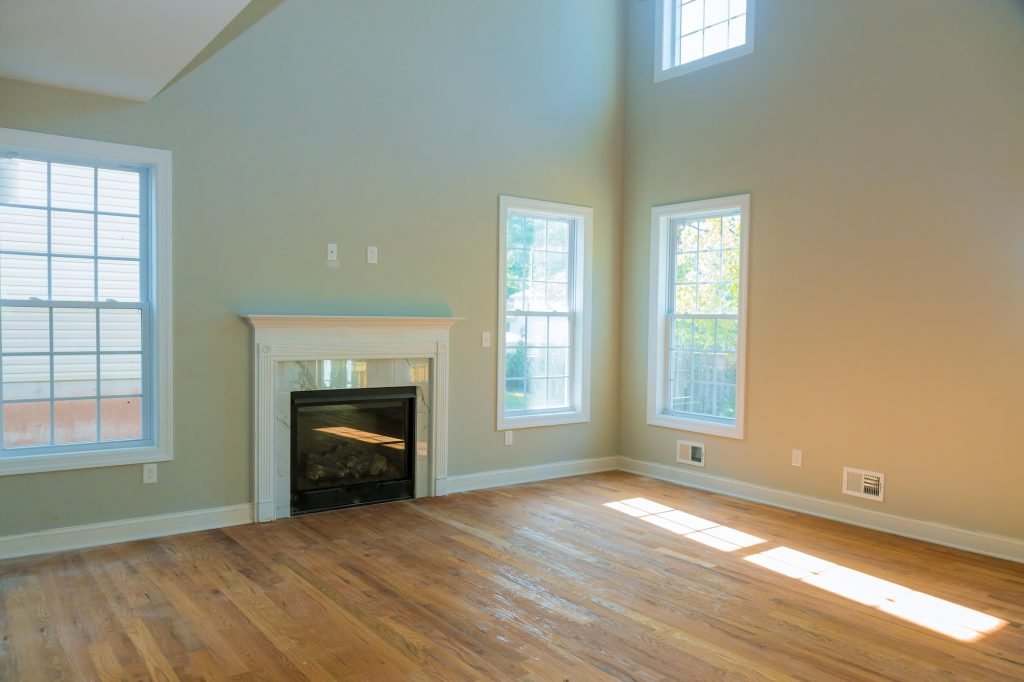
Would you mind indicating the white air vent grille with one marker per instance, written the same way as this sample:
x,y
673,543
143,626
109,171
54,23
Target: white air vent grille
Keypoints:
x,y
861,483
690,453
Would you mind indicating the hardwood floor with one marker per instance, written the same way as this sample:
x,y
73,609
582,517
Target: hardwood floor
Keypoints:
x,y
534,582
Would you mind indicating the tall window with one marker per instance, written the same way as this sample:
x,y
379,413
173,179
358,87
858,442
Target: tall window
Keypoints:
x,y
693,34
80,358
543,358
698,304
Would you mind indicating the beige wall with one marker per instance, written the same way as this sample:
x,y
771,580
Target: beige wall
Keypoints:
x,y
389,123
883,145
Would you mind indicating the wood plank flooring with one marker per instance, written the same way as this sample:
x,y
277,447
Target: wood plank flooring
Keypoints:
x,y
533,582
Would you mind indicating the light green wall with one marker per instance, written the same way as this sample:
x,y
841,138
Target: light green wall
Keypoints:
x,y
883,144
390,123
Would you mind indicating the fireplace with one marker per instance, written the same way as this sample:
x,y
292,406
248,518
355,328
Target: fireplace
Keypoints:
x,y
352,446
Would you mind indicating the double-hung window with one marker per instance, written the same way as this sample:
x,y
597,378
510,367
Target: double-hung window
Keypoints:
x,y
692,34
698,315
544,313
84,303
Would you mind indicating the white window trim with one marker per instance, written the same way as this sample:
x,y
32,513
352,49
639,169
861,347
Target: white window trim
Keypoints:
x,y
582,285
657,349
664,35
158,161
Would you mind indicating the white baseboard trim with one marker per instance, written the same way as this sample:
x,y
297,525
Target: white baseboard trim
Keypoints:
x,y
94,534
540,472
999,546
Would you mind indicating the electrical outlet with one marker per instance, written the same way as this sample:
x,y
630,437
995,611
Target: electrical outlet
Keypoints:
x,y
332,252
508,438
149,473
798,458
371,255
485,340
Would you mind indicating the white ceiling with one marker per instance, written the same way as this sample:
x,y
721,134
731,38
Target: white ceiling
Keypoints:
x,y
123,48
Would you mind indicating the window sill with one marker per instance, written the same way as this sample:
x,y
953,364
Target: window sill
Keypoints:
x,y
664,74
526,421
697,426
31,464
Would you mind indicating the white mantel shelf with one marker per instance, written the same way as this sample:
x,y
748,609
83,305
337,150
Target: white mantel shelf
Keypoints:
x,y
291,338
349,321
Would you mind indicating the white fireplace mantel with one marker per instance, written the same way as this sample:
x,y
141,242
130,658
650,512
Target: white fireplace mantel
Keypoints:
x,y
290,338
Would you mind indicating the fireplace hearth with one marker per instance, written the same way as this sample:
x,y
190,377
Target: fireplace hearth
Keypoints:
x,y
351,447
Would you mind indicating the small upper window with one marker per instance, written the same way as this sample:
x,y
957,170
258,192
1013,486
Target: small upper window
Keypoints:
x,y
693,34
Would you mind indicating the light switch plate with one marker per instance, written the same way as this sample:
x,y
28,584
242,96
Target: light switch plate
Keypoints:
x,y
508,438
371,254
485,340
332,252
798,458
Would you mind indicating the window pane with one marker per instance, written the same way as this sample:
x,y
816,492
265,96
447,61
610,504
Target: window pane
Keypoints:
x,y
516,297
25,330
516,232
73,233
23,182
558,298
737,31
558,236
118,191
716,39
536,394
26,424
536,233
22,277
558,393
121,330
515,330
538,266
682,334
558,331
74,376
118,280
518,264
537,331
121,374
74,330
515,362
536,363
118,236
727,334
74,279
72,187
558,362
26,377
22,229
715,11
691,17
120,418
691,47
515,394
737,7
74,421
558,267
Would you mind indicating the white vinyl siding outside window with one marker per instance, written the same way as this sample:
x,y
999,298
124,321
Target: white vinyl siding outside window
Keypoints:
x,y
543,357
692,34
84,347
698,310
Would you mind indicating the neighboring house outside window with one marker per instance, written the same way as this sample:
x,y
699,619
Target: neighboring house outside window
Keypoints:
x,y
85,307
544,313
693,34
697,354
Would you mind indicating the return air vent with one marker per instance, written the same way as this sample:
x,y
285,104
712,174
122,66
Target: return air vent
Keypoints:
x,y
861,483
690,453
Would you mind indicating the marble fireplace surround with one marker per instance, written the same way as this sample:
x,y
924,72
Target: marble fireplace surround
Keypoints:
x,y
369,351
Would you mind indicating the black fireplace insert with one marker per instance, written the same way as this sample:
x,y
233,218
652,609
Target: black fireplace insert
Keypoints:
x,y
352,446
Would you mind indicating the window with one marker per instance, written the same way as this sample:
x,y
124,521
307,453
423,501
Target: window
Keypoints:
x,y
692,34
544,313
84,303
698,315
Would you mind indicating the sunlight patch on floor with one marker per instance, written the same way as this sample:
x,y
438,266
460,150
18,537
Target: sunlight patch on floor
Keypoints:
x,y
938,615
941,616
689,526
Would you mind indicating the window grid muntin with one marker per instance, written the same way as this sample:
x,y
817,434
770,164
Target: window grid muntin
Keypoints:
x,y
716,351
143,305
678,33
569,314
